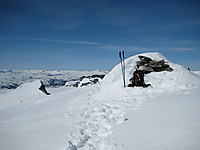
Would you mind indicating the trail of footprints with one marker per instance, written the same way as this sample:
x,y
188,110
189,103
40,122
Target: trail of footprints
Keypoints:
x,y
97,121
99,117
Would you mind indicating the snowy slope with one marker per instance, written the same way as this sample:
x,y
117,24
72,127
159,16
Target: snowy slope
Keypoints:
x,y
197,72
105,116
37,121
168,121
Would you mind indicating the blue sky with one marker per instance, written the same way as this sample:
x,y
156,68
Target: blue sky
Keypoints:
x,y
88,34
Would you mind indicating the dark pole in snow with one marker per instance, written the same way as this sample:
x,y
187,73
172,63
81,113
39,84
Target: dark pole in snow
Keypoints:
x,y
121,56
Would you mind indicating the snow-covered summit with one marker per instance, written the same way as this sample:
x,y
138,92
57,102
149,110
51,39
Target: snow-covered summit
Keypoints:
x,y
179,78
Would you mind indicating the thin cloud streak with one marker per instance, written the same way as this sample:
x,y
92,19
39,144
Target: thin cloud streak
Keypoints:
x,y
143,49
126,48
181,49
72,42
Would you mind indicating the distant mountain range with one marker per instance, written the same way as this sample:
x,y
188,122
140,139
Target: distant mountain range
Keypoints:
x,y
11,79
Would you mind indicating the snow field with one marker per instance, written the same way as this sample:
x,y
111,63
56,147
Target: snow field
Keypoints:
x,y
101,116
168,121
93,117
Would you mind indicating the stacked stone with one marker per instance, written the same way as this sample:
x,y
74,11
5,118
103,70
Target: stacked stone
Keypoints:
x,y
148,65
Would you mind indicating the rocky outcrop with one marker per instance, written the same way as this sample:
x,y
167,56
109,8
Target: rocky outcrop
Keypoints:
x,y
85,81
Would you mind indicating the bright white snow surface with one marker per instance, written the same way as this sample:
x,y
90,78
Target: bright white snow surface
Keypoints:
x,y
106,116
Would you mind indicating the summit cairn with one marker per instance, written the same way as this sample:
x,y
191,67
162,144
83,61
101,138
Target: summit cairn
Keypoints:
x,y
148,65
144,66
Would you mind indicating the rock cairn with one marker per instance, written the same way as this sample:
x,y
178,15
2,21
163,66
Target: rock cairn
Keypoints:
x,y
148,65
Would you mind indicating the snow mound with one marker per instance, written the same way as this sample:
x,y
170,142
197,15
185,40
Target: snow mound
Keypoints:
x,y
26,93
179,79
28,89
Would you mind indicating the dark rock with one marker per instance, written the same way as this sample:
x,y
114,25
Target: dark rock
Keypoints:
x,y
145,59
148,65
85,81
10,86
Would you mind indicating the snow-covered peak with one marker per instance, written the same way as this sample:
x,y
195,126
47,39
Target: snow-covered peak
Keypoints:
x,y
180,78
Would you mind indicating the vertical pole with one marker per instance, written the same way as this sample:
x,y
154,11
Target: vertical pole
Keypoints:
x,y
121,56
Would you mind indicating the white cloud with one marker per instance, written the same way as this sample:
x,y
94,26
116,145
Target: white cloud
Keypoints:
x,y
127,48
183,49
72,42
